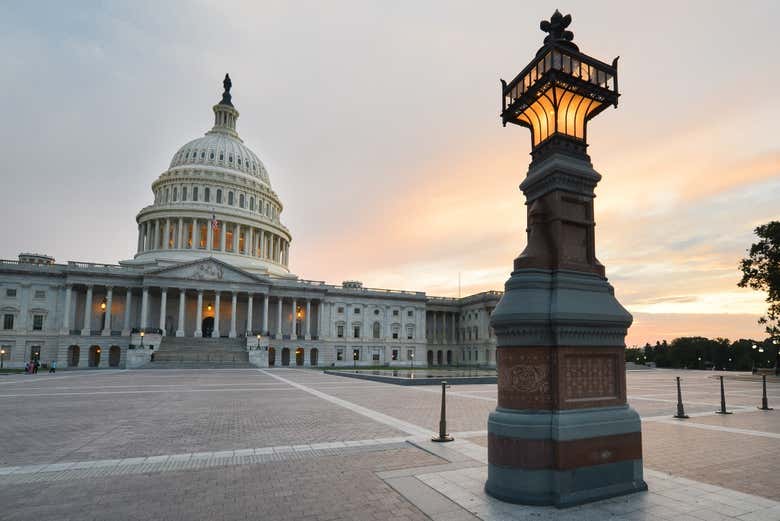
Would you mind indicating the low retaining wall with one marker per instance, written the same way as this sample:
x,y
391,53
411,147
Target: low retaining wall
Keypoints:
x,y
433,380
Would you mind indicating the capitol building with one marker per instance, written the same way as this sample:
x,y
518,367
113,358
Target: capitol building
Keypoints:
x,y
209,285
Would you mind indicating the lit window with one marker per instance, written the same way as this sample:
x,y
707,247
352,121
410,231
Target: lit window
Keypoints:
x,y
37,322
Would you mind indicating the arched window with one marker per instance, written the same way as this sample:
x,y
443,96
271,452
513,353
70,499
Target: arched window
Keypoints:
x,y
219,195
221,156
230,158
241,200
194,193
239,161
202,154
167,193
207,194
211,155
230,198
175,194
252,204
183,193
377,329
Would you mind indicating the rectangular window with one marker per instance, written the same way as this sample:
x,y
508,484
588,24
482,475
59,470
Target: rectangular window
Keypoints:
x,y
183,193
339,353
356,331
37,322
194,193
408,334
395,335
340,309
40,294
409,313
229,238
8,321
395,312
10,292
357,311
376,354
395,354
340,331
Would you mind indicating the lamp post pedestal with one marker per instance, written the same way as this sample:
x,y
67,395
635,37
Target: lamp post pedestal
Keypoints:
x,y
562,433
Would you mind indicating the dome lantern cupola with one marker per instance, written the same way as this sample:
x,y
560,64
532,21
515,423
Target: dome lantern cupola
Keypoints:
x,y
225,114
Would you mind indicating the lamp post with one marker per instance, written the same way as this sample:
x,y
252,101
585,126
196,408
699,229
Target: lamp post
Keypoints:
x,y
559,293
142,339
354,359
2,356
411,361
753,359
258,341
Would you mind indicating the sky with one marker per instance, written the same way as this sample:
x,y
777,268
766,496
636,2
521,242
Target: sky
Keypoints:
x,y
378,123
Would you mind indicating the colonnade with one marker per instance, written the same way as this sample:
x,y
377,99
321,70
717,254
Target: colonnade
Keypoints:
x,y
199,234
300,318
443,328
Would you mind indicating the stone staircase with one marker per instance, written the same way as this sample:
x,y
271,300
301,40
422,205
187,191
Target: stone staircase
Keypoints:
x,y
200,353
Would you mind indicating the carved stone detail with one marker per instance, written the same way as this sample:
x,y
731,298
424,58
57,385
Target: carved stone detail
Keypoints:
x,y
524,378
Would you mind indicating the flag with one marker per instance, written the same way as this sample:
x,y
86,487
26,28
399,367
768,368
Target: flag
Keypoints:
x,y
214,222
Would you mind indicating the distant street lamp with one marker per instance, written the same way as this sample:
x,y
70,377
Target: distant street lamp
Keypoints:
x,y
753,359
411,361
354,359
142,339
258,341
2,355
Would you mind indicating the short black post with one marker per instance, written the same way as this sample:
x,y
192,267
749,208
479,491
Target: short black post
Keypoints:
x,y
764,403
722,399
443,436
680,409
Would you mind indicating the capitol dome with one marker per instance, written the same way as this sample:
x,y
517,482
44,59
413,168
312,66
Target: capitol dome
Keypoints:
x,y
215,200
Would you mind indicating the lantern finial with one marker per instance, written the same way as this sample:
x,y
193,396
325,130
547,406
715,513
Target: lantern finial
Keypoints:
x,y
556,29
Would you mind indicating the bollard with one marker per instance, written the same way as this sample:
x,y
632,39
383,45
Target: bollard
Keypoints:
x,y
722,399
680,409
764,404
443,436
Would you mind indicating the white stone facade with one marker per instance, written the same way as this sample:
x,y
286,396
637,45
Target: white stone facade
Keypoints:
x,y
212,259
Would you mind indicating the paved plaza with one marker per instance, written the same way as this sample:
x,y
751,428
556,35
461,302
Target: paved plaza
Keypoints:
x,y
298,444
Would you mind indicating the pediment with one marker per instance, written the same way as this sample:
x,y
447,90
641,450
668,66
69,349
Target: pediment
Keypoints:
x,y
207,269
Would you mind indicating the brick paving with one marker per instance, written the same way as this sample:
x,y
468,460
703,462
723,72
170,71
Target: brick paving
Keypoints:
x,y
97,415
330,488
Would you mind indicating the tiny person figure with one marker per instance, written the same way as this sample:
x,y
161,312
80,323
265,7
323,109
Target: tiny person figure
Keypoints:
x,y
53,366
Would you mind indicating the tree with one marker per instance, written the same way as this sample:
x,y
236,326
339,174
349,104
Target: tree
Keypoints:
x,y
761,271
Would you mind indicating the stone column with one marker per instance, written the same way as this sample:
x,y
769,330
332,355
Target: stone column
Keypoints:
x,y
264,329
144,308
320,320
182,306
209,236
223,236
86,330
452,328
107,325
126,326
167,237
156,243
163,310
294,320
199,315
180,234
308,320
195,236
262,243
435,326
233,305
140,238
215,333
249,242
249,315
66,320
279,321
236,238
